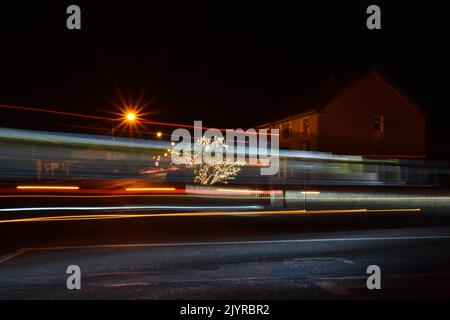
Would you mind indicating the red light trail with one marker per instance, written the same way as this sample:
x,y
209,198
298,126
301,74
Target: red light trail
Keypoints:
x,y
72,114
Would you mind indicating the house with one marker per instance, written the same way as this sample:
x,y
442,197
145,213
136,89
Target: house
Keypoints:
x,y
367,116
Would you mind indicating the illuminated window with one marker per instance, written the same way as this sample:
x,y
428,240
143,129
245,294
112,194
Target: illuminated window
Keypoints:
x,y
378,125
286,130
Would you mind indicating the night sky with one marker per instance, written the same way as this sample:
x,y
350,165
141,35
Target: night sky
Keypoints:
x,y
227,64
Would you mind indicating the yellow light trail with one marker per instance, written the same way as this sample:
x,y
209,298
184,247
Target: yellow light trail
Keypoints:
x,y
310,192
201,214
150,189
394,210
47,188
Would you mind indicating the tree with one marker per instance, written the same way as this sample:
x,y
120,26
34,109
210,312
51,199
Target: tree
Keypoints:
x,y
210,169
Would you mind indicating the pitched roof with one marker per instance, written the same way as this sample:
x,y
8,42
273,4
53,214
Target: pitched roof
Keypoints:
x,y
317,100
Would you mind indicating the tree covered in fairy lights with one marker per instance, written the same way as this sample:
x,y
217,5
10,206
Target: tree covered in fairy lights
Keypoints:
x,y
209,164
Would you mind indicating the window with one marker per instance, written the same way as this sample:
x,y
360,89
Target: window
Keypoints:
x,y
378,125
286,131
305,126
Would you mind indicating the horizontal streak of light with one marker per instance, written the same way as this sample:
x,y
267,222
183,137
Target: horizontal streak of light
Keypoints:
x,y
198,194
248,191
310,192
238,191
395,210
168,124
152,171
105,141
72,114
378,198
63,113
389,156
155,207
150,189
127,196
47,188
234,243
86,191
198,214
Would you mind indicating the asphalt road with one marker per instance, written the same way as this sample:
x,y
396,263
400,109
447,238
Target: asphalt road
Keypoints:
x,y
308,257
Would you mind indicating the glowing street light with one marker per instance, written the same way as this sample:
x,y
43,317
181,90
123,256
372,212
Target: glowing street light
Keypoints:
x,y
159,134
131,116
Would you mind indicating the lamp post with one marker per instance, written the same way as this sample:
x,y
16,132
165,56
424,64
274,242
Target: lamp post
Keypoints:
x,y
112,131
129,117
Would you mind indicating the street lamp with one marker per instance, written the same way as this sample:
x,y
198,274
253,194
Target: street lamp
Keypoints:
x,y
130,117
159,134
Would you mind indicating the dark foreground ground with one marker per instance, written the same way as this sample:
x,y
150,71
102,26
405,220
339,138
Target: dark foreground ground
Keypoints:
x,y
270,257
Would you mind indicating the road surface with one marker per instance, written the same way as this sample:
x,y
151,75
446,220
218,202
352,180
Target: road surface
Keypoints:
x,y
308,257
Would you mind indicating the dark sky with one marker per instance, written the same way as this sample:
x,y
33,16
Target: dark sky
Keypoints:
x,y
228,64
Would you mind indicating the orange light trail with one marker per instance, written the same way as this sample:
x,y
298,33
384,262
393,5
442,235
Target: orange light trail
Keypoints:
x,y
47,188
201,214
150,189
152,171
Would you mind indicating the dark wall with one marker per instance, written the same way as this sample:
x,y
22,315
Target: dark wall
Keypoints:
x,y
346,125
